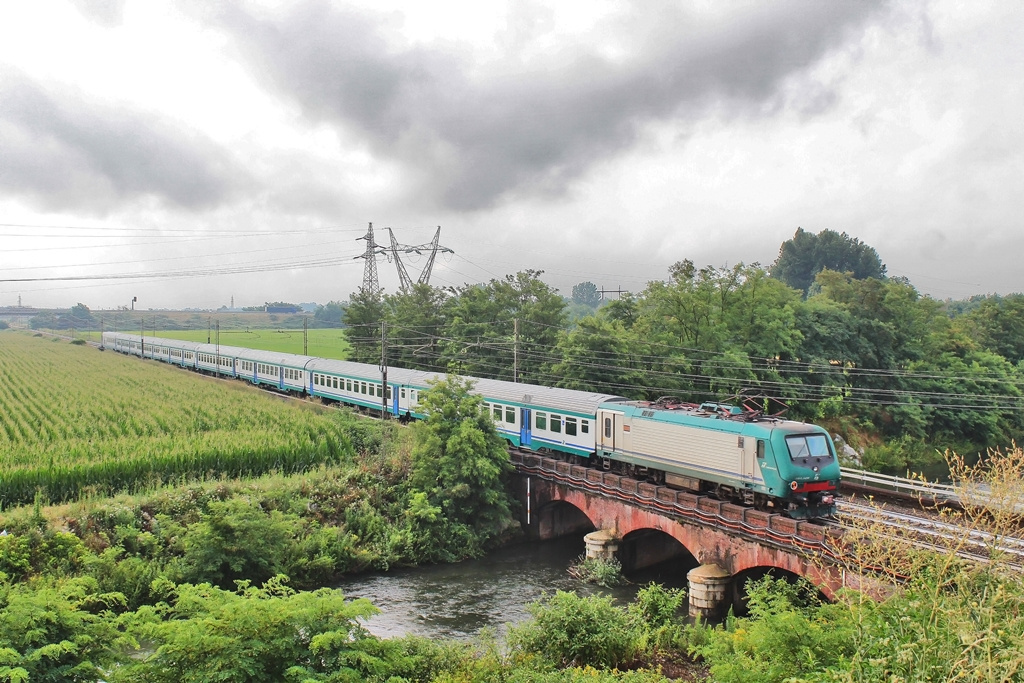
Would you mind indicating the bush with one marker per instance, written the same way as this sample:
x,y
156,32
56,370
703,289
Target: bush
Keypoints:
x,y
606,573
568,630
788,636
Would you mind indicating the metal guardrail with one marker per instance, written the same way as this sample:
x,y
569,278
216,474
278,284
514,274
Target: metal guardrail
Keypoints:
x,y
900,484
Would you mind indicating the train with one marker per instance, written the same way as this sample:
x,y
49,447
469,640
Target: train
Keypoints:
x,y
728,451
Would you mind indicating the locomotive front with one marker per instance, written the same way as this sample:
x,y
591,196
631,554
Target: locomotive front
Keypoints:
x,y
807,467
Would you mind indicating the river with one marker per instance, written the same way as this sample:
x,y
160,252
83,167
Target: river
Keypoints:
x,y
459,600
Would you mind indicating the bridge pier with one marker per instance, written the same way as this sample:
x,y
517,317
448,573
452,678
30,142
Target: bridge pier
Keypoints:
x,y
601,544
708,590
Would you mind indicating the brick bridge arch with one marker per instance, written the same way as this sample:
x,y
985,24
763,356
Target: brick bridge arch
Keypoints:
x,y
558,509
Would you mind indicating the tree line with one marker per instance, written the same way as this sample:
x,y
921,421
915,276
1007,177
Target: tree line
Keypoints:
x,y
865,354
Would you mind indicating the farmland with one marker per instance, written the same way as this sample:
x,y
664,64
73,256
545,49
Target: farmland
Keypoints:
x,y
74,419
323,343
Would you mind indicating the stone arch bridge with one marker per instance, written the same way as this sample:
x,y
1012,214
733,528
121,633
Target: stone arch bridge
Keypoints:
x,y
643,524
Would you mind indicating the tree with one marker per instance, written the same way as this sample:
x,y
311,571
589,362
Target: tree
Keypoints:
x,y
271,633
482,326
998,325
363,317
586,293
600,355
416,327
803,257
331,314
460,462
80,316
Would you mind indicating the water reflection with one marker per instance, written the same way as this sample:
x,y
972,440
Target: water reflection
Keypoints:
x,y
457,601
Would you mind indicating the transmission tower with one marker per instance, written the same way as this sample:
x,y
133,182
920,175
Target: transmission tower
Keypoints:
x,y
433,246
370,283
403,274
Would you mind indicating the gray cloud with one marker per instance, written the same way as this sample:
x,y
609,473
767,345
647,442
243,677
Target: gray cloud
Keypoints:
x,y
475,139
63,151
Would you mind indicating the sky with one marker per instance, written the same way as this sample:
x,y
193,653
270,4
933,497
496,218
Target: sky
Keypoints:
x,y
190,154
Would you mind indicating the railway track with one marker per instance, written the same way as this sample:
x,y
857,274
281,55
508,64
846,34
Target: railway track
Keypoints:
x,y
930,532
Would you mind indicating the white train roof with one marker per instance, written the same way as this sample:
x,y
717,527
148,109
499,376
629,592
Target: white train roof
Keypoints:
x,y
515,393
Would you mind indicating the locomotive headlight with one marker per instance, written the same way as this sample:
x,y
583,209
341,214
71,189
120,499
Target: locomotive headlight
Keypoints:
x,y
793,485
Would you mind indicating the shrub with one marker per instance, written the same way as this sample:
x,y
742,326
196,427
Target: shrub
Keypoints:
x,y
567,630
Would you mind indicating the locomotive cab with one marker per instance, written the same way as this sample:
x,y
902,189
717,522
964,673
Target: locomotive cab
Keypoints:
x,y
808,467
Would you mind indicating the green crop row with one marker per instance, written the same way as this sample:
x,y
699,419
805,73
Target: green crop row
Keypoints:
x,y
75,419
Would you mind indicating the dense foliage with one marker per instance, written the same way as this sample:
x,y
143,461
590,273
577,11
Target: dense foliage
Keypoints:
x,y
460,469
803,257
900,376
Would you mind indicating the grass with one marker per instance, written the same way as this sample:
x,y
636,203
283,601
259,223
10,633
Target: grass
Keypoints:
x,y
74,419
323,343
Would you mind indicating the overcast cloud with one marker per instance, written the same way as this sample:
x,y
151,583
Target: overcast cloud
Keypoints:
x,y
62,151
598,143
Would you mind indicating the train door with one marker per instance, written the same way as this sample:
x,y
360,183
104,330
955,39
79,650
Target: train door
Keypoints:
x,y
524,428
748,450
609,423
393,391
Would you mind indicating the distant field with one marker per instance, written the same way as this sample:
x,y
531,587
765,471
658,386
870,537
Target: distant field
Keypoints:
x,y
320,343
74,419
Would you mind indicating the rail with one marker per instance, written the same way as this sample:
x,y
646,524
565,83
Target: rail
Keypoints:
x,y
901,485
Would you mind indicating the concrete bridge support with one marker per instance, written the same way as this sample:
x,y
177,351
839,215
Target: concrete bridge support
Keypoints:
x,y
601,544
709,591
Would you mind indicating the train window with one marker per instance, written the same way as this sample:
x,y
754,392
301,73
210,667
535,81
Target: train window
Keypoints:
x,y
570,426
486,408
760,448
401,393
807,446
510,415
497,413
556,424
607,428
389,393
540,421
348,385
362,387
334,382
585,426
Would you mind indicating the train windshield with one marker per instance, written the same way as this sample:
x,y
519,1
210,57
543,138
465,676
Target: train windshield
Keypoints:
x,y
808,446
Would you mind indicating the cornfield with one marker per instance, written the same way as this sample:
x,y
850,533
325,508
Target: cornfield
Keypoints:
x,y
75,420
